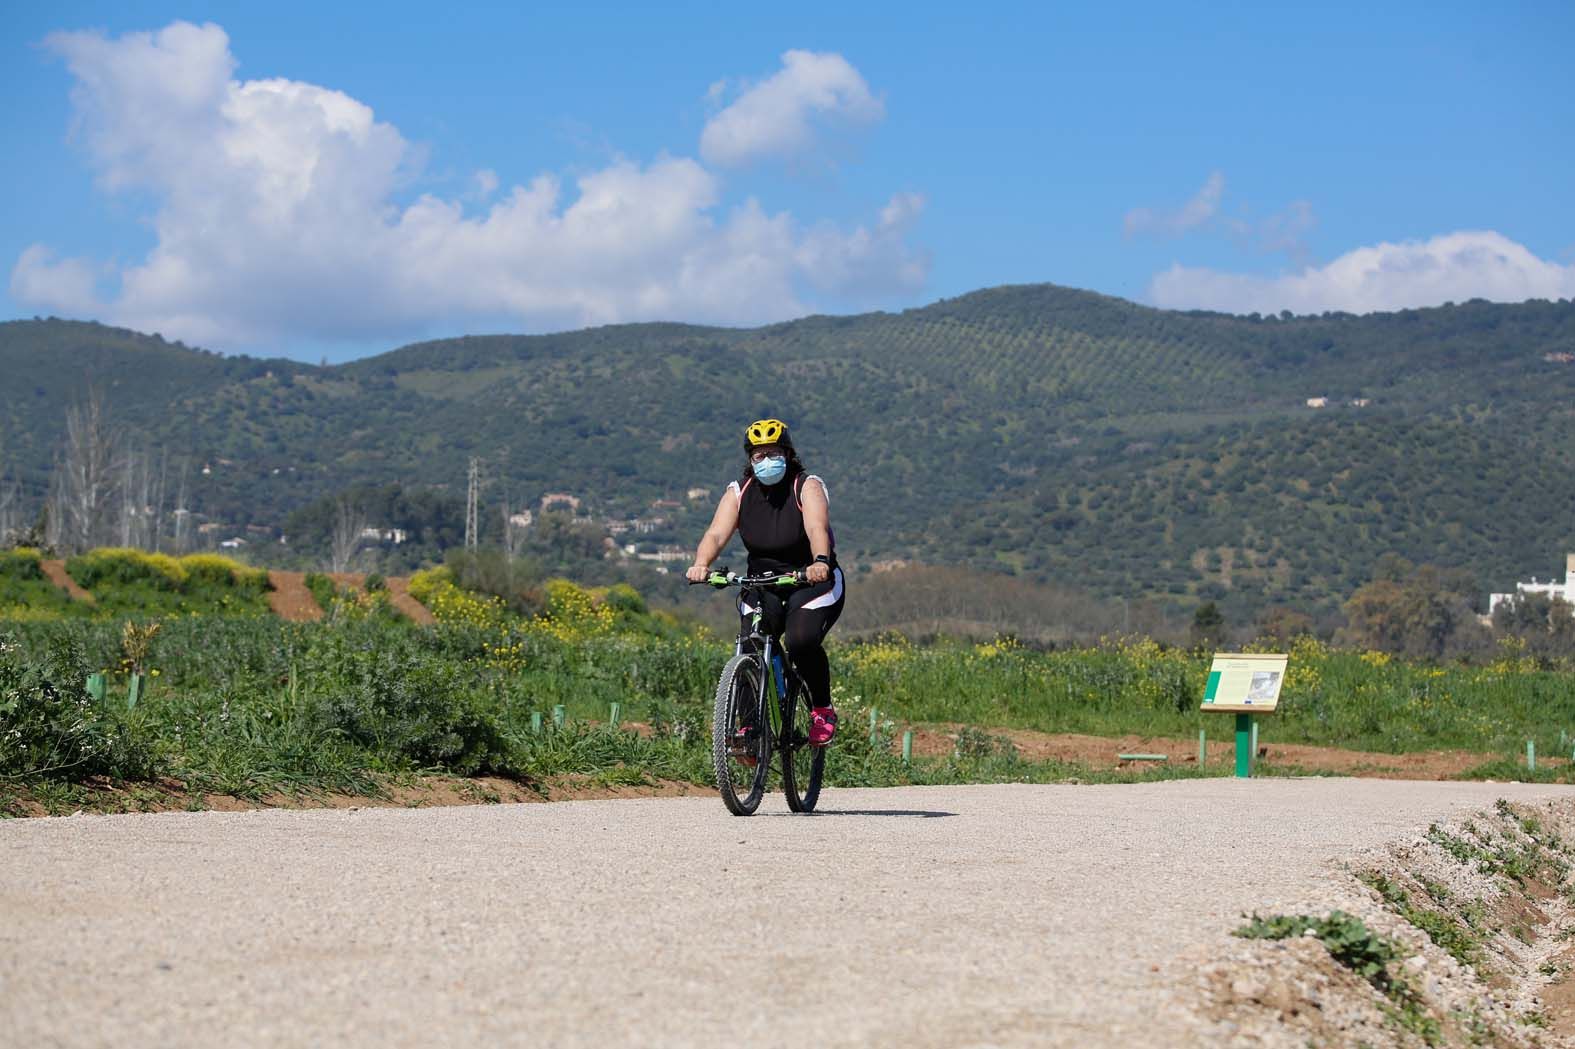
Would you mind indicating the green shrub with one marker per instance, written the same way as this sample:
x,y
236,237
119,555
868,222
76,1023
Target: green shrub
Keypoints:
x,y
323,590
21,563
123,580
50,725
412,710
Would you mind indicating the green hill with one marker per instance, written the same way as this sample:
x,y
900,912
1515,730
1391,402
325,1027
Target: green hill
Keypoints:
x,y
1055,433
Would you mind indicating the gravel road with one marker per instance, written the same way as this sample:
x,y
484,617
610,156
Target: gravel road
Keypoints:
x,y
939,916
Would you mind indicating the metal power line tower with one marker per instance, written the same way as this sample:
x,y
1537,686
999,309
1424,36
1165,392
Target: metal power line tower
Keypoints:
x,y
472,498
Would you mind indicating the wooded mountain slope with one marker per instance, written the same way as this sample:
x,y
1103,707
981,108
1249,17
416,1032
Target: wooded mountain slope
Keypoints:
x,y
1051,432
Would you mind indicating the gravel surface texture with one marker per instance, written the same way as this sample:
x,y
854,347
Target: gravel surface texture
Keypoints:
x,y
937,916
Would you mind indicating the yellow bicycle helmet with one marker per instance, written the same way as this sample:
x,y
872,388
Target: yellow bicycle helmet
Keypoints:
x,y
766,431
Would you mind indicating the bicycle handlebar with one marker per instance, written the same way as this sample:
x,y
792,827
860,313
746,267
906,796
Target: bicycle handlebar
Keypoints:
x,y
724,579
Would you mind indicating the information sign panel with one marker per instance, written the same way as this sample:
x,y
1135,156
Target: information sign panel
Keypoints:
x,y
1245,683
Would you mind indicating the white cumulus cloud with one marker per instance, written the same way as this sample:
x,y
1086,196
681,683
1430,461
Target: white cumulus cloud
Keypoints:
x,y
1453,267
780,116
276,219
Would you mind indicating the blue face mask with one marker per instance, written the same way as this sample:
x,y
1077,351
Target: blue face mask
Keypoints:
x,y
770,471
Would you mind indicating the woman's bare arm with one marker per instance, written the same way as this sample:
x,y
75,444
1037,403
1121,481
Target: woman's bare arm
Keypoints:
x,y
723,524
817,525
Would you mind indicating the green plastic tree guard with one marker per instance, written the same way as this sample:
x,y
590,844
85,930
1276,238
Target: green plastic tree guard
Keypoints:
x,y
133,691
1243,745
95,686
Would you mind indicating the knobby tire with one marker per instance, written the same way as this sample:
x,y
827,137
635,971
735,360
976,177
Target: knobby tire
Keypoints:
x,y
802,765
739,684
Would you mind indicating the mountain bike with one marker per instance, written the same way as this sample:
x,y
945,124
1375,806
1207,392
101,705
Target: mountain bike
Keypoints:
x,y
762,712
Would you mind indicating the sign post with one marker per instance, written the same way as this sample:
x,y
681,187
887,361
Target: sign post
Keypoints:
x,y
1245,684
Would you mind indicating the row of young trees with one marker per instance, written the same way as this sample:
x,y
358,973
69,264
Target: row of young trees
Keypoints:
x,y
104,490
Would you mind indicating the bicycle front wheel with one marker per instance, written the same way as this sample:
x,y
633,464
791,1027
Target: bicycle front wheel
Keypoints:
x,y
740,736
802,765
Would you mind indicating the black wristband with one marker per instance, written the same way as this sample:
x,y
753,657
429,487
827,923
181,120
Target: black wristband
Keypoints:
x,y
823,559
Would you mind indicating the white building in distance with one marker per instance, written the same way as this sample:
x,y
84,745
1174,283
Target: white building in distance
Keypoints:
x,y
1564,590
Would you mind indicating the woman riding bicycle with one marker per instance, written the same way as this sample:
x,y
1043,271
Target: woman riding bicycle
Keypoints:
x,y
783,515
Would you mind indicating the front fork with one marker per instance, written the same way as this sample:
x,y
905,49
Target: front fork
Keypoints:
x,y
773,688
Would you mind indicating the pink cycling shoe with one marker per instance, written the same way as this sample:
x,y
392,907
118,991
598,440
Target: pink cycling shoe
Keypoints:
x,y
822,725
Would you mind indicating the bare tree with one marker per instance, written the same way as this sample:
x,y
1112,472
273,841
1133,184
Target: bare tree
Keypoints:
x,y
182,511
513,534
128,499
158,500
9,503
349,523
87,474
10,511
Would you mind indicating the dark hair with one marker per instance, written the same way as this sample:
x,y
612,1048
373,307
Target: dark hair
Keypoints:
x,y
794,463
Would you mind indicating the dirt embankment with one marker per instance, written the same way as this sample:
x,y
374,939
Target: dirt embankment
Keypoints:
x,y
1460,935
939,740
290,599
405,604
100,796
55,572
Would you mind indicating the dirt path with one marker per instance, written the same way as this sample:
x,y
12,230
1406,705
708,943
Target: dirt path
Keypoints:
x,y
918,917
55,571
939,740
290,599
399,594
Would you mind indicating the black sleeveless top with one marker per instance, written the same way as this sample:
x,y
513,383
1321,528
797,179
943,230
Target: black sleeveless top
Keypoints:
x,y
771,524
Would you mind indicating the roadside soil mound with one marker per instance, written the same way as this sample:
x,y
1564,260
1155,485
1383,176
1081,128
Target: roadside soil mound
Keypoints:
x,y
55,571
939,740
290,599
418,792
1459,936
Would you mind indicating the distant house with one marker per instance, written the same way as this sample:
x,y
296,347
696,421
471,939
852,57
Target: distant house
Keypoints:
x,y
384,535
1564,590
555,499
665,554
666,504
1361,402
232,544
523,519
697,494
646,525
1317,402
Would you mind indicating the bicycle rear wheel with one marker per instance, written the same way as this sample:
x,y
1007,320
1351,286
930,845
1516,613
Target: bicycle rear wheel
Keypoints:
x,y
741,768
802,765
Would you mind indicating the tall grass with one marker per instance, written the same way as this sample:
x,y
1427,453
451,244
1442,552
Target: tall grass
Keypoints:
x,y
245,705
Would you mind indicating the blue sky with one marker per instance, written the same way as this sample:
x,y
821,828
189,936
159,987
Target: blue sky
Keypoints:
x,y
334,180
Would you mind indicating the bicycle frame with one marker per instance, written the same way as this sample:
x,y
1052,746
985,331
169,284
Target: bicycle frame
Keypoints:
x,y
772,686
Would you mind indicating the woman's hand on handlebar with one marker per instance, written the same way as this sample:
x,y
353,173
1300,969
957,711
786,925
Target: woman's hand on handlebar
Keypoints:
x,y
697,573
818,572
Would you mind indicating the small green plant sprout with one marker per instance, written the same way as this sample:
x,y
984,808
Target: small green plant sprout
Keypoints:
x,y
1347,938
